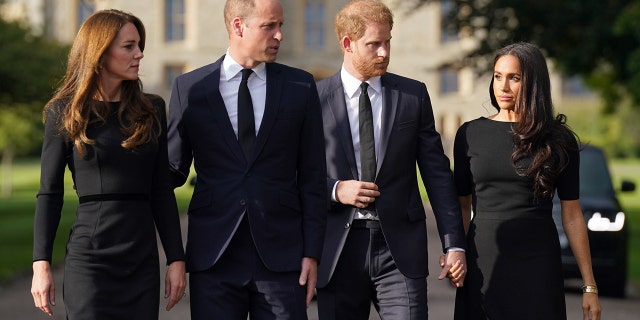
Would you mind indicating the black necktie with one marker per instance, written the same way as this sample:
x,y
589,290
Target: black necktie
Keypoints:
x,y
367,145
246,122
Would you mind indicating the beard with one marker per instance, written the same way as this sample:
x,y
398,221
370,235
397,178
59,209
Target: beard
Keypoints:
x,y
370,69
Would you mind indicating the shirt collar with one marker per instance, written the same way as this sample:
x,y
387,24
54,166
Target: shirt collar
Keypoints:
x,y
352,85
231,68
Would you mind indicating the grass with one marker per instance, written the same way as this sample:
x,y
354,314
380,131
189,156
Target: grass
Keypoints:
x,y
16,214
630,170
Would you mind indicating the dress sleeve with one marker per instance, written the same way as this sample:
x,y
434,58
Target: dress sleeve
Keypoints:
x,y
568,186
461,162
56,154
163,199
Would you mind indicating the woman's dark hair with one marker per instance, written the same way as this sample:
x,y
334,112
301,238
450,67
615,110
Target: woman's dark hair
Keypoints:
x,y
541,138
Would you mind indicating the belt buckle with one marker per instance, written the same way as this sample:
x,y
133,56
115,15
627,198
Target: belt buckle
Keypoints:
x,y
367,214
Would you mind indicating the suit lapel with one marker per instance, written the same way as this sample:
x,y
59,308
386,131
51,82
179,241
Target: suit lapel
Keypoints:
x,y
275,85
338,106
389,109
220,115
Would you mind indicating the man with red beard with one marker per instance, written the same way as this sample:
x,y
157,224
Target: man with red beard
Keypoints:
x,y
377,126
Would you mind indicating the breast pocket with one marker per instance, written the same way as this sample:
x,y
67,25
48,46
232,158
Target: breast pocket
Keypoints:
x,y
405,125
289,124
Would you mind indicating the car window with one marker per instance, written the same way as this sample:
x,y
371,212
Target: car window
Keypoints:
x,y
594,173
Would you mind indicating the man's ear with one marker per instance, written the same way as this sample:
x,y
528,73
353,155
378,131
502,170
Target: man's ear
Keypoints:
x,y
346,43
237,26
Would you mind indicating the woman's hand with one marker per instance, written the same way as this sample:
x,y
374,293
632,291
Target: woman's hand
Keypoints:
x,y
175,283
43,289
590,306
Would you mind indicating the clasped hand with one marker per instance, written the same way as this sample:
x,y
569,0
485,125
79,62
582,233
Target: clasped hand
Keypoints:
x,y
356,193
454,267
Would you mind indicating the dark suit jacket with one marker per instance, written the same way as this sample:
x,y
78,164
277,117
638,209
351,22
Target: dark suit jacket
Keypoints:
x,y
408,136
281,187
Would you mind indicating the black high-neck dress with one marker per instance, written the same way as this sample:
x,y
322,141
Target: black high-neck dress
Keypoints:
x,y
111,268
513,257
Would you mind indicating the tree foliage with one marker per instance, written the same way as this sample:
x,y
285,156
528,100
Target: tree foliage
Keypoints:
x,y
594,39
30,66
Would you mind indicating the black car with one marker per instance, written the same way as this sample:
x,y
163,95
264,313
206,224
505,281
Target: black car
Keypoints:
x,y
607,229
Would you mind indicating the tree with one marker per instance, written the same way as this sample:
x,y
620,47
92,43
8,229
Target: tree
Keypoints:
x,y
30,65
594,39
17,134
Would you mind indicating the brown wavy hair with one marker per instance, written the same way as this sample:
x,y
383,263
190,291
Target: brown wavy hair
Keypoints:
x,y
542,139
81,85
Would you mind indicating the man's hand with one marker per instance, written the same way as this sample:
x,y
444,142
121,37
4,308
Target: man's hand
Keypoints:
x,y
309,277
454,267
356,193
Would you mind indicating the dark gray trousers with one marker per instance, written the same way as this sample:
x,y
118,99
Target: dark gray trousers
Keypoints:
x,y
366,273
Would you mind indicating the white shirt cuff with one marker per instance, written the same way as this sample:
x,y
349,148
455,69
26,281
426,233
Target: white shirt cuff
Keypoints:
x,y
333,192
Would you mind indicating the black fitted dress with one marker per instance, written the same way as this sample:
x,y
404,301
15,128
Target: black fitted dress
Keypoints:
x,y
514,265
111,268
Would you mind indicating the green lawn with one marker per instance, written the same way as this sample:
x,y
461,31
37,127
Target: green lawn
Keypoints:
x,y
16,214
630,170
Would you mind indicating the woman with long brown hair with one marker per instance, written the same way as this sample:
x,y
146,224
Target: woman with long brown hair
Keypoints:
x,y
508,167
113,138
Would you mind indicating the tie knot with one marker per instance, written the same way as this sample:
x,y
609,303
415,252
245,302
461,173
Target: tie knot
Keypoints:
x,y
363,87
246,73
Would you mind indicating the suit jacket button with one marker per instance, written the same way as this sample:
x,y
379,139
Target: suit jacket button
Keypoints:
x,y
243,202
346,226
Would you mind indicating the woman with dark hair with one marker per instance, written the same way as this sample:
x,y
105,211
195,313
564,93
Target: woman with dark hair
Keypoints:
x,y
507,169
113,138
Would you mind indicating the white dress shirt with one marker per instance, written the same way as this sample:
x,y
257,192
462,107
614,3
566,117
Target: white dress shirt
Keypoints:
x,y
230,76
351,87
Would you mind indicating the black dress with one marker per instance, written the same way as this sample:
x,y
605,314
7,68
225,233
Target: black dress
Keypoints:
x,y
514,265
111,266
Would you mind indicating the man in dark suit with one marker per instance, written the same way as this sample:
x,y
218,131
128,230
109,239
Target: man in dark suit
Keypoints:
x,y
258,212
375,246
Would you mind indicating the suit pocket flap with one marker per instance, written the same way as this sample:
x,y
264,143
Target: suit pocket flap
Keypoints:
x,y
416,214
200,199
290,200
